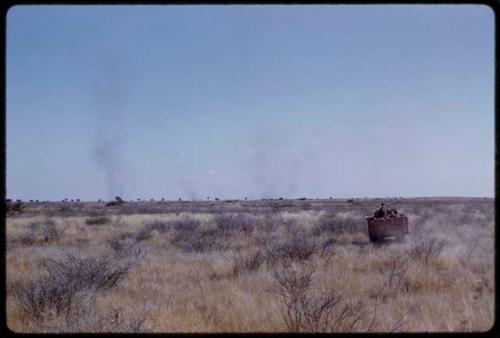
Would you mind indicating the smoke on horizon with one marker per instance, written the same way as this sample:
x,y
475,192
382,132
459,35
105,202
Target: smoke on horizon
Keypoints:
x,y
109,98
275,164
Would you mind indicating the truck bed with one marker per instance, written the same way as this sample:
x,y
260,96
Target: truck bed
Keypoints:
x,y
389,226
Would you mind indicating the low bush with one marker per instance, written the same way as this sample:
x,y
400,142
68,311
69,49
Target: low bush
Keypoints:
x,y
97,220
246,263
186,224
269,222
228,222
126,249
45,231
65,210
67,286
296,248
200,241
335,224
156,225
426,249
304,311
13,208
143,234
395,267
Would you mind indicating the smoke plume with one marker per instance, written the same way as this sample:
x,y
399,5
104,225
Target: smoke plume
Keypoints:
x,y
109,101
109,157
274,165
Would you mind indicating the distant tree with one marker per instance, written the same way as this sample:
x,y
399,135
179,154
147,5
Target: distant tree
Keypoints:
x,y
180,199
31,201
162,199
246,198
78,200
217,199
138,200
99,200
281,198
71,201
118,199
152,200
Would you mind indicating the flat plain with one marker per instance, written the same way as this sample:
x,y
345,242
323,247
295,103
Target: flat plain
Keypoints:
x,y
272,265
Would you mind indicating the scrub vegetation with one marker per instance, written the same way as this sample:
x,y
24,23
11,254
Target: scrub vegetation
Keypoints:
x,y
277,265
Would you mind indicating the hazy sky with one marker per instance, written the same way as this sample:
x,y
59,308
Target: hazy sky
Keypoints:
x,y
257,101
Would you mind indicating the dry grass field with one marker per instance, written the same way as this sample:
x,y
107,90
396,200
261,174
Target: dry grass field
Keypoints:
x,y
249,266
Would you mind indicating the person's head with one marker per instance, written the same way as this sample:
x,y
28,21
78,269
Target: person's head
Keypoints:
x,y
382,206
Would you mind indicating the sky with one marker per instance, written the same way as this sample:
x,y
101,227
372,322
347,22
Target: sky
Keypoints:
x,y
254,101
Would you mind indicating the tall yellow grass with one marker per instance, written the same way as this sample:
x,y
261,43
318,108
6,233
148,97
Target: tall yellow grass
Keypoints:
x,y
177,290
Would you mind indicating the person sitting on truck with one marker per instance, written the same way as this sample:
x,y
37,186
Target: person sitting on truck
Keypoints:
x,y
393,212
380,213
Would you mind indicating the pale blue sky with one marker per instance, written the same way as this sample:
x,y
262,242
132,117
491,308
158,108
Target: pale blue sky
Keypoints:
x,y
256,101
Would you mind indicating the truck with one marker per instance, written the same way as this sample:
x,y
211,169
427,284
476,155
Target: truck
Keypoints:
x,y
390,226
